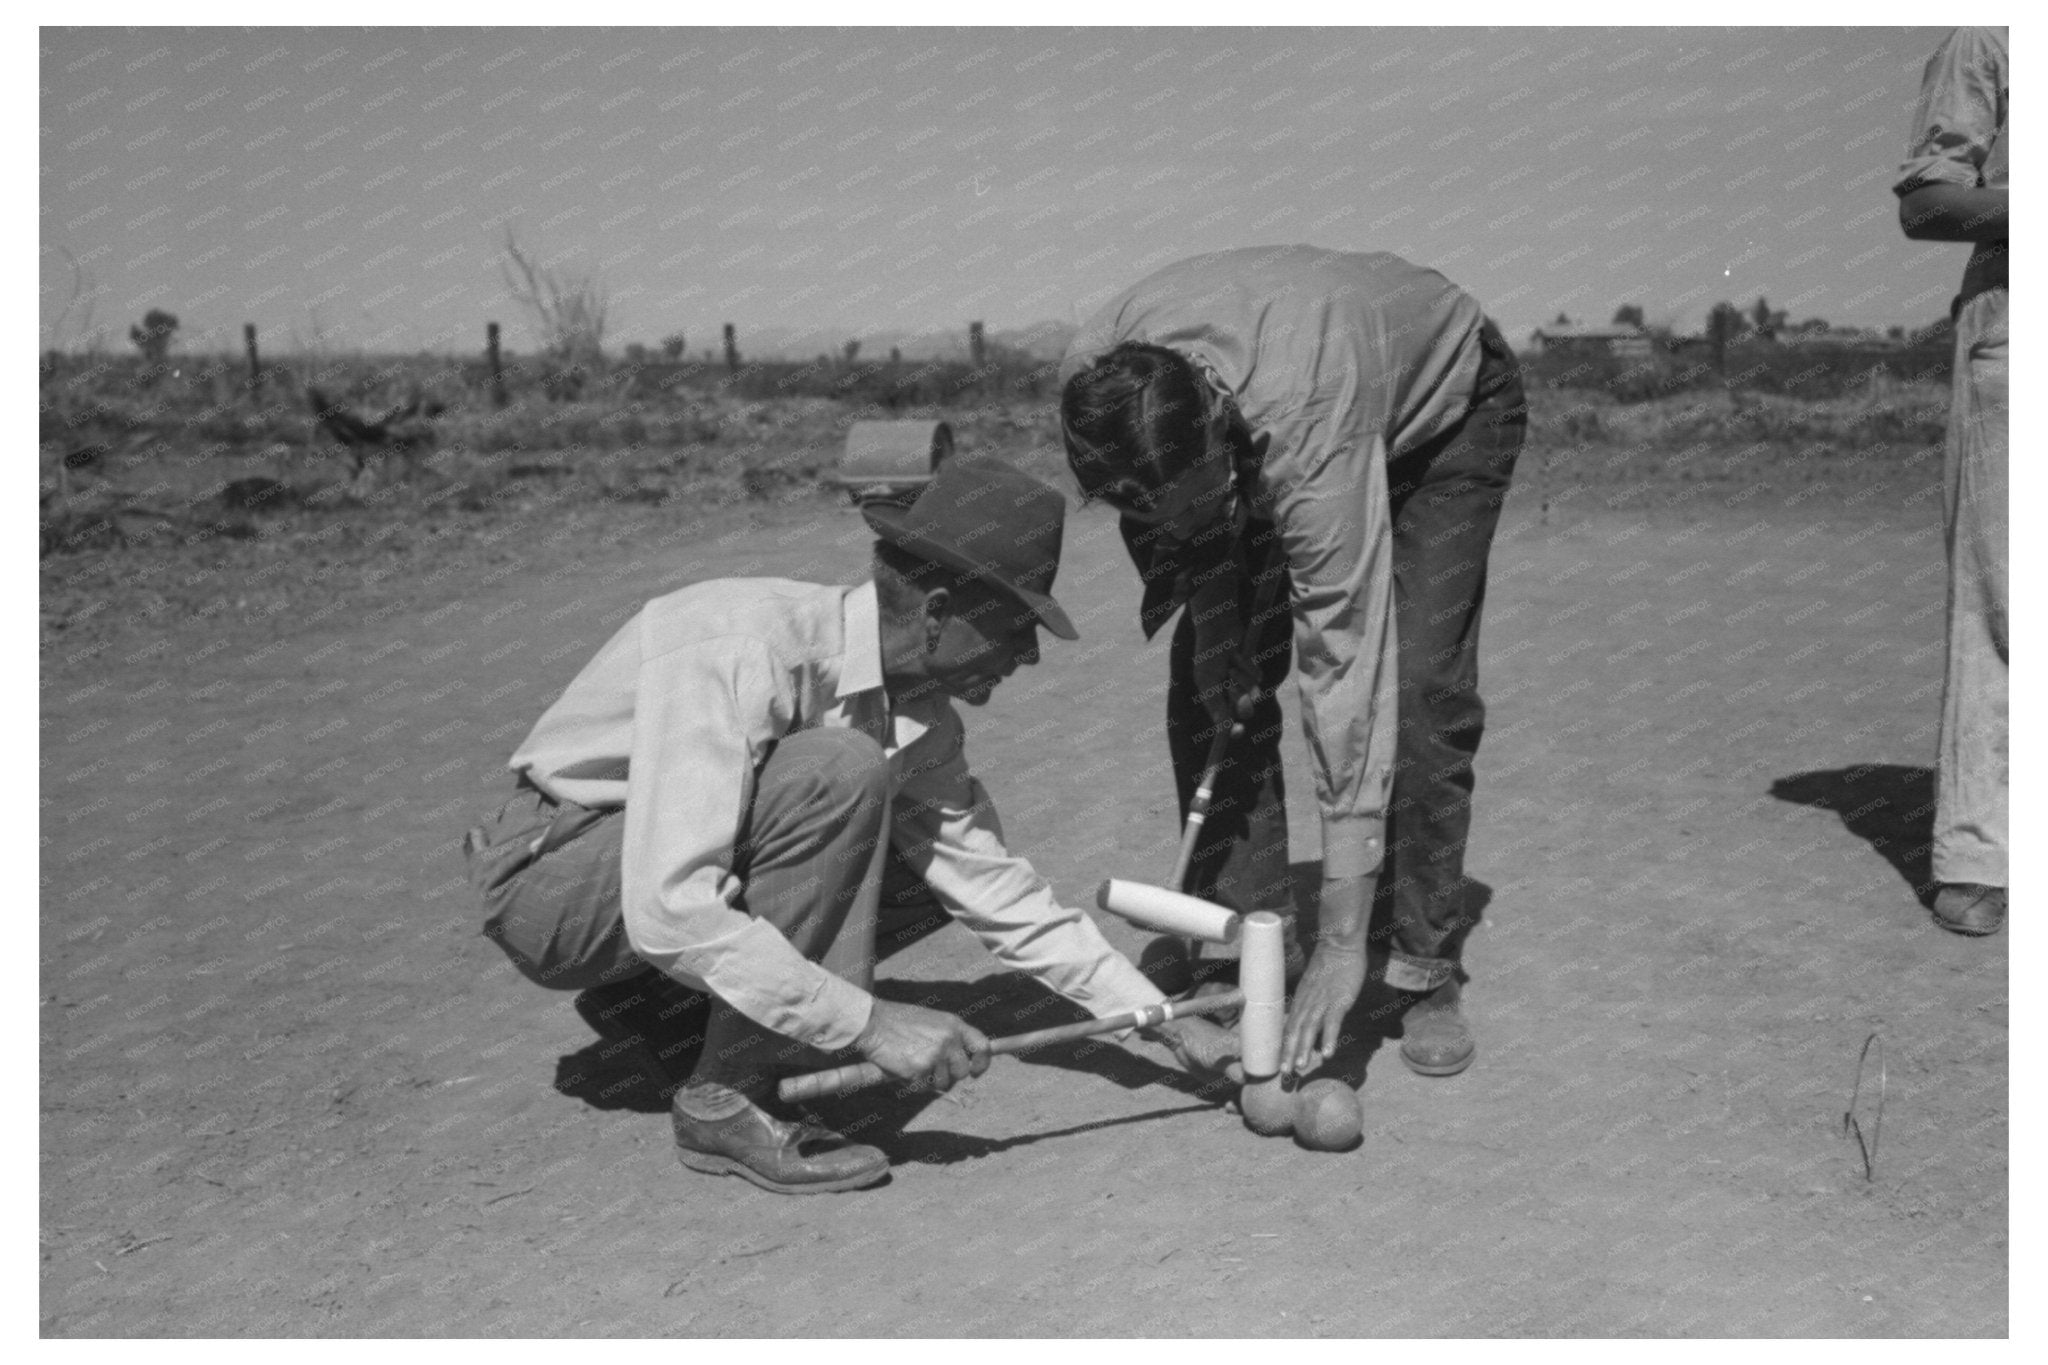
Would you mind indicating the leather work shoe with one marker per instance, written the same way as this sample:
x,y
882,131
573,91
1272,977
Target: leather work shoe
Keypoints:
x,y
1967,908
788,1158
1434,1038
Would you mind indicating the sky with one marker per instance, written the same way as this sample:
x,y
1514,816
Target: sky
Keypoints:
x,y
354,188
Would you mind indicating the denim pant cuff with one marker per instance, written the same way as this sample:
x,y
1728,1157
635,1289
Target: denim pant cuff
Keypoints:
x,y
1409,973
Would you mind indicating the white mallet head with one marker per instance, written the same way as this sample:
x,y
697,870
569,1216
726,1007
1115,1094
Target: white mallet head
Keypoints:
x,y
1262,976
1169,912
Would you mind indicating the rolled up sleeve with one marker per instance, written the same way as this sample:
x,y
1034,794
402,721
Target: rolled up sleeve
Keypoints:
x,y
946,828
704,718
1959,117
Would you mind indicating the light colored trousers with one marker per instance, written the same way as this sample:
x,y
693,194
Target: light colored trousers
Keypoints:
x,y
1970,794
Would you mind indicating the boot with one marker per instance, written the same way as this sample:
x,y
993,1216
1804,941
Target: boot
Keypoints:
x,y
1435,1040
1967,908
784,1156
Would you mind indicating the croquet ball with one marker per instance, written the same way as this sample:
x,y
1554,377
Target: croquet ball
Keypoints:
x,y
1328,1116
1268,1108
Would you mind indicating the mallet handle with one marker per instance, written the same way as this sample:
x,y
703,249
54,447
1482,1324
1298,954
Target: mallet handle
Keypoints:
x,y
1198,809
859,1075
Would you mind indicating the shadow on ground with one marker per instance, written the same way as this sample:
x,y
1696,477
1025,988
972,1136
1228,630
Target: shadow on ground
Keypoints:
x,y
607,1077
1374,1020
1887,805
999,1004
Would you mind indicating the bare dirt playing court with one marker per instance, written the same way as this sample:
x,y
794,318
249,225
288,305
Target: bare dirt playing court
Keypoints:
x,y
288,1089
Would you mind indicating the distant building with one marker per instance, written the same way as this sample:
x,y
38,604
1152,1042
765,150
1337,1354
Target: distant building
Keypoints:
x,y
1847,339
1613,338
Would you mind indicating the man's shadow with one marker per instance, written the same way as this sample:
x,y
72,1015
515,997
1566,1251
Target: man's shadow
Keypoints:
x,y
999,1004
606,1077
1010,1002
1887,805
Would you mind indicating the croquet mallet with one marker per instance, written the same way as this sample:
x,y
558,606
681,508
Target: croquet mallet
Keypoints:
x,y
1219,751
859,1075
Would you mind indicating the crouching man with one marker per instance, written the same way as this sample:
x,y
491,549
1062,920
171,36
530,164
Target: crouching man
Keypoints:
x,y
713,801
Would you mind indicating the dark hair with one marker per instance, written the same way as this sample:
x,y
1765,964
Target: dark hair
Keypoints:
x,y
902,579
1133,421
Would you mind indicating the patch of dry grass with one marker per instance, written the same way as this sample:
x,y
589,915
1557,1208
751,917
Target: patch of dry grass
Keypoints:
x,y
194,498
1767,442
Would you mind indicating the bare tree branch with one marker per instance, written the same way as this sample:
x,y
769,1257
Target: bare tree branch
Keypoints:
x,y
81,288
569,308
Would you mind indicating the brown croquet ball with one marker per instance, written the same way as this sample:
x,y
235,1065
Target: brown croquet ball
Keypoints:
x,y
1268,1108
1328,1116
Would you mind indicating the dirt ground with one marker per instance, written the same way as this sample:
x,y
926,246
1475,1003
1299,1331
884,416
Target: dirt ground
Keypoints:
x,y
287,1089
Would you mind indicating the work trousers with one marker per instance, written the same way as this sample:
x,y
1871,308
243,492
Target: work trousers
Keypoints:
x,y
1445,498
1970,791
810,854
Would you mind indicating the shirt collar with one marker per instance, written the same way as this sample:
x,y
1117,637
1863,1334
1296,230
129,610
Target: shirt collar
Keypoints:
x,y
860,665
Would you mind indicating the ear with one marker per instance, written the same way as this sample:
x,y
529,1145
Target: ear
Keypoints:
x,y
939,608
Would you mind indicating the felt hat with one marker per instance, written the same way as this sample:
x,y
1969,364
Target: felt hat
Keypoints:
x,y
989,521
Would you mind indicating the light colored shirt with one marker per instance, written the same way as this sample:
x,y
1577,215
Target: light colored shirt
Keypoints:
x,y
1341,358
1960,135
672,719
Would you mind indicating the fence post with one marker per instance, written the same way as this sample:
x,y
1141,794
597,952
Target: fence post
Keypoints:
x,y
732,347
255,366
977,345
497,365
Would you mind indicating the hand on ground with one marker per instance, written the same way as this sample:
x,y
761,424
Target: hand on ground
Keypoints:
x,y
1315,1020
930,1047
